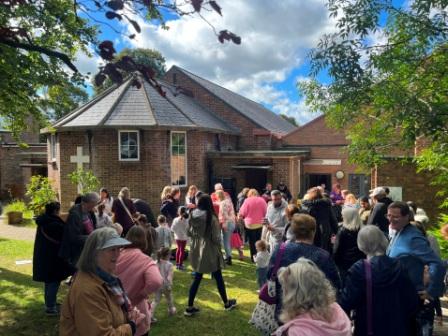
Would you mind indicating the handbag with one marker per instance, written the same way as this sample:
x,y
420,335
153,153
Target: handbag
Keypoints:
x,y
368,272
263,316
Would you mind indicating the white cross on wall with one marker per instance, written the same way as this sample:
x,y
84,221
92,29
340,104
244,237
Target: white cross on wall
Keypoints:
x,y
79,159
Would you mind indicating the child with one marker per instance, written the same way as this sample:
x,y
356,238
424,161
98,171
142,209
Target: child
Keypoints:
x,y
236,242
164,238
166,271
262,261
179,228
151,236
102,218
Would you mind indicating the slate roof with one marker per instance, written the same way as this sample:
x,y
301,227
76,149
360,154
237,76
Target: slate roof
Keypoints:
x,y
256,112
127,106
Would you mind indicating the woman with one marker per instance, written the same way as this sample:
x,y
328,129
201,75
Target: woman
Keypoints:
x,y
227,221
47,266
124,210
320,208
170,205
190,198
365,209
253,211
309,304
290,211
107,200
139,274
205,254
304,228
96,303
151,235
346,251
395,297
350,201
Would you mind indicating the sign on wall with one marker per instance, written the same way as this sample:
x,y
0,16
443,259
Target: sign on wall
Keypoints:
x,y
323,162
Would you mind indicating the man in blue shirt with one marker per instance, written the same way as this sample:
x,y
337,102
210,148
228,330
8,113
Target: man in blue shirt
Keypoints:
x,y
408,240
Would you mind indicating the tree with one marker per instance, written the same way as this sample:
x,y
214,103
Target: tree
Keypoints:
x,y
290,119
388,94
39,41
85,180
148,57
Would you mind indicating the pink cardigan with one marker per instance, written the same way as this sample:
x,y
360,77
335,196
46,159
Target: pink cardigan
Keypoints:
x,y
305,325
253,210
140,277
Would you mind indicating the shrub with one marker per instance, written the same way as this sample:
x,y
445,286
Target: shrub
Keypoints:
x,y
40,193
15,206
85,179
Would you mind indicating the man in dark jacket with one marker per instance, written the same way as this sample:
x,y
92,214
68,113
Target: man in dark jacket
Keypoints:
x,y
80,223
378,215
47,266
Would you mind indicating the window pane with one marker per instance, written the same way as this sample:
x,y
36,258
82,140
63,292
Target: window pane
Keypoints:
x,y
178,159
129,145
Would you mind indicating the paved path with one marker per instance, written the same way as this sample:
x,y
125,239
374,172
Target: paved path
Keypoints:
x,y
15,232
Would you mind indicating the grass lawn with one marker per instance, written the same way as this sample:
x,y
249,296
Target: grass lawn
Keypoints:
x,y
21,300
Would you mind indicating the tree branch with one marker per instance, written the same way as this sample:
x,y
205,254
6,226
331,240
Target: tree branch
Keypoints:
x,y
31,47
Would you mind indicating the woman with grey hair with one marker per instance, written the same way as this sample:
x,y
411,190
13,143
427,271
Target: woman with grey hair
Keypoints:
x,y
346,251
309,303
96,303
392,312
124,210
80,223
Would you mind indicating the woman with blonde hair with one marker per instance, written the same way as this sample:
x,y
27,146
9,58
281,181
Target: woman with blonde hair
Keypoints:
x,y
170,203
191,199
309,304
253,211
226,217
166,191
124,210
346,251
351,201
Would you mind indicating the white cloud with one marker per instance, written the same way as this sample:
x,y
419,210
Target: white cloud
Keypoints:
x,y
87,64
275,38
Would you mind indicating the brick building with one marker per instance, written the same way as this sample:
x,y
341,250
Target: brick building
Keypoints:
x,y
201,133
19,163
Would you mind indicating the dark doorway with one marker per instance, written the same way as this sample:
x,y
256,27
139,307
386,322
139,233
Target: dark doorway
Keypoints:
x,y
256,178
315,180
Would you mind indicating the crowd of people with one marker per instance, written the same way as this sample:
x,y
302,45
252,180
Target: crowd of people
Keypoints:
x,y
333,258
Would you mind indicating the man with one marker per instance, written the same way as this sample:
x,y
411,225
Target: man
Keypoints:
x,y
409,241
80,223
276,219
267,193
380,203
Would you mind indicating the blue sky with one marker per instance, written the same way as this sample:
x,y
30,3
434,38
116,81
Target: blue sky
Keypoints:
x,y
276,37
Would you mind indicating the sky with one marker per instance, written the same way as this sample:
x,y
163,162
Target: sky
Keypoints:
x,y
276,38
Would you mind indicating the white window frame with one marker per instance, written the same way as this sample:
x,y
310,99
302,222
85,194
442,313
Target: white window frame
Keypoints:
x,y
53,147
119,144
186,158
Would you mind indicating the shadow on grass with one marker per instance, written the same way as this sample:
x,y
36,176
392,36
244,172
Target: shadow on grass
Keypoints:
x,y
21,306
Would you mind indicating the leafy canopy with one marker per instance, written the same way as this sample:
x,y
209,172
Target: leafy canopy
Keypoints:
x,y
386,92
39,41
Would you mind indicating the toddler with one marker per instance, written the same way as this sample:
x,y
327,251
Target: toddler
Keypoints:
x,y
164,238
179,228
236,242
262,262
166,271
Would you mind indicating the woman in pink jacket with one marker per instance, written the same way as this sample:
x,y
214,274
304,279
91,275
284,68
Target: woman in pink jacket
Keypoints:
x,y
253,211
309,303
139,274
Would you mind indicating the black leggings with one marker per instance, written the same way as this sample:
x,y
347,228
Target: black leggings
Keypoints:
x,y
197,281
253,235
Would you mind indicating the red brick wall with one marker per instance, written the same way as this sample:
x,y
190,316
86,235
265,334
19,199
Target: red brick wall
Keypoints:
x,y
233,117
316,132
416,187
146,177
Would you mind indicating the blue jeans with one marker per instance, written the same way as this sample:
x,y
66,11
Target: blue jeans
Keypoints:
x,y
262,276
226,237
50,293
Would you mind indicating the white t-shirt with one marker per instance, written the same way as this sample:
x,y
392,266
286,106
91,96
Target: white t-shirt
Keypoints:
x,y
262,259
179,228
